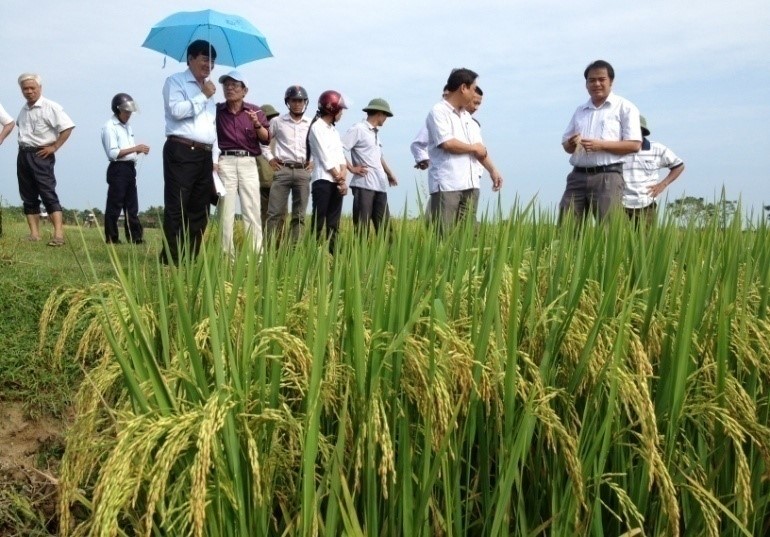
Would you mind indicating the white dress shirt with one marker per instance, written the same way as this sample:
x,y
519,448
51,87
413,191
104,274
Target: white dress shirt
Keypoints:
x,y
362,141
617,119
326,149
474,131
189,113
419,146
117,136
40,124
448,172
290,139
5,118
640,172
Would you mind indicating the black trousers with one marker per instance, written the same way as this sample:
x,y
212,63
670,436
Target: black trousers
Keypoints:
x,y
122,196
327,210
369,206
188,186
37,182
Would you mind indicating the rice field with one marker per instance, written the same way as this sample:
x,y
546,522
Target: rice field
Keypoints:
x,y
512,378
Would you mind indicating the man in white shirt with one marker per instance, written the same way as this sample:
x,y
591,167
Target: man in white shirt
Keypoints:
x,y
187,154
43,129
640,173
600,133
453,153
288,159
330,170
6,124
122,152
370,196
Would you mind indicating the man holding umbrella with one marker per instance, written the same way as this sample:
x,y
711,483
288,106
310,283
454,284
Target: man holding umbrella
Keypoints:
x,y
187,157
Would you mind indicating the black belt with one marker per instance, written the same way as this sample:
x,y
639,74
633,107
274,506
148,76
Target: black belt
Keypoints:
x,y
192,144
293,165
131,162
608,168
238,153
29,149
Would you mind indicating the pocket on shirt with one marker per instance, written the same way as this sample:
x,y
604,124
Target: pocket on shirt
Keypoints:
x,y
610,129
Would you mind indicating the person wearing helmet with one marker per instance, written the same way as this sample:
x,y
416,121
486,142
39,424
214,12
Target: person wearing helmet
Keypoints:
x,y
328,178
641,180
289,162
265,171
188,162
242,128
122,152
453,152
370,196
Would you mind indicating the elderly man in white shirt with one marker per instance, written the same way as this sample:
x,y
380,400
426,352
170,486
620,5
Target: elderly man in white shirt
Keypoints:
x,y
122,151
287,157
601,131
370,197
43,129
453,153
188,162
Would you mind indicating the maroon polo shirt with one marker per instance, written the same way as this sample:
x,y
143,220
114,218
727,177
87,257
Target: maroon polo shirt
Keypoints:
x,y
236,131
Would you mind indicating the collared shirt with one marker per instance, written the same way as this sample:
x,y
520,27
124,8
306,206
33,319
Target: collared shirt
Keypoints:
x,y
41,123
5,118
236,131
448,172
290,139
117,136
474,130
640,172
419,146
189,113
616,119
362,140
326,150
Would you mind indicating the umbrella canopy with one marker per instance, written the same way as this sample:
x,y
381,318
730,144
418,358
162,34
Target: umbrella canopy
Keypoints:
x,y
235,39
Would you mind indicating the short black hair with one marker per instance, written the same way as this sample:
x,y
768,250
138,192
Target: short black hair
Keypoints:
x,y
460,76
479,92
201,46
600,64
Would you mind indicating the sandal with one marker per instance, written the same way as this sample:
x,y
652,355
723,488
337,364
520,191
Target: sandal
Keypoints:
x,y
56,242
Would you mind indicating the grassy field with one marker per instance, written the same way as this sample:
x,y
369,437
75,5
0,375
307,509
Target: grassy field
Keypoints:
x,y
510,379
36,390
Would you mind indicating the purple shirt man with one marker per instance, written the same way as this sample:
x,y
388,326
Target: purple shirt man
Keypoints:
x,y
241,128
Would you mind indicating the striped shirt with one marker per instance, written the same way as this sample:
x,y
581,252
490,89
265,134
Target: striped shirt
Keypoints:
x,y
640,172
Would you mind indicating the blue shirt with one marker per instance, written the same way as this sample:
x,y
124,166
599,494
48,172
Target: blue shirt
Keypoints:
x,y
189,113
117,136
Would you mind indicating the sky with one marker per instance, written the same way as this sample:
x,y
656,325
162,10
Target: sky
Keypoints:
x,y
698,71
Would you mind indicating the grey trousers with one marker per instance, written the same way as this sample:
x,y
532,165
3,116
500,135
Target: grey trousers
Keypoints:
x,y
449,207
369,206
598,193
288,181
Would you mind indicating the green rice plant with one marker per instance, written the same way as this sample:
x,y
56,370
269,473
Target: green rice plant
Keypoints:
x,y
512,377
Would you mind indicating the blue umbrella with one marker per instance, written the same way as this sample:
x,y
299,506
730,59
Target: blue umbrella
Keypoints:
x,y
235,39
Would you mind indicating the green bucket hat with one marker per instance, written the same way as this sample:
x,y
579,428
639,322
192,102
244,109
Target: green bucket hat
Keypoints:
x,y
379,105
643,123
269,111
